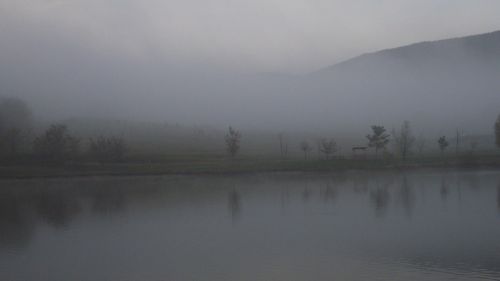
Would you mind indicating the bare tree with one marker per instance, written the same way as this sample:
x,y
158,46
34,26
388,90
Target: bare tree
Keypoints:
x,y
443,144
233,138
420,143
497,132
379,139
283,145
328,147
306,148
404,140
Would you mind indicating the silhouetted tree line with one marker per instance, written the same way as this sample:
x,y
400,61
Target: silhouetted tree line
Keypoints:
x,y
56,144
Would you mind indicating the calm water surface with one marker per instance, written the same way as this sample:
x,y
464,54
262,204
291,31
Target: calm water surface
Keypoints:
x,y
425,225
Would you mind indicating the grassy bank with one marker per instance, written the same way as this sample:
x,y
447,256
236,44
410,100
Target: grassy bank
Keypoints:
x,y
223,165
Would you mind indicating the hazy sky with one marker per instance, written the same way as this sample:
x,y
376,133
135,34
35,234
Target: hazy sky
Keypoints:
x,y
291,36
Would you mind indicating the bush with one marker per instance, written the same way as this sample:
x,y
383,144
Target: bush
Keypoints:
x,y
107,149
56,144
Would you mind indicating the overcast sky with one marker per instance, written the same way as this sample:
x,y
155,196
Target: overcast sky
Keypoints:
x,y
290,36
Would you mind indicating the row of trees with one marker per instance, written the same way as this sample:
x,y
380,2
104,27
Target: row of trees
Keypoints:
x,y
55,144
403,142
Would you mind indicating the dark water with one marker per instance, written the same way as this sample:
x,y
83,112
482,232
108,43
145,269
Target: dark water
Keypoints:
x,y
426,225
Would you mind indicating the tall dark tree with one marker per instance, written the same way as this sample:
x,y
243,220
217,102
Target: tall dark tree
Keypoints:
x,y
443,144
56,144
497,132
15,113
233,138
12,140
16,122
379,139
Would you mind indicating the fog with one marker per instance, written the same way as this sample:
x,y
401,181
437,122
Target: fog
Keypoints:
x,y
265,65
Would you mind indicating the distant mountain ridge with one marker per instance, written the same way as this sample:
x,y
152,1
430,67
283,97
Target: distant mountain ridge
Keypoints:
x,y
484,46
439,86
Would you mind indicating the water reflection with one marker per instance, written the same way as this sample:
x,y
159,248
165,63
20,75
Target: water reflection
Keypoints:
x,y
306,194
107,203
498,196
56,208
444,190
407,196
234,204
16,225
329,193
369,209
380,198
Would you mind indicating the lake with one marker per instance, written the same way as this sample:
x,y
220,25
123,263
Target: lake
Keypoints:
x,y
418,225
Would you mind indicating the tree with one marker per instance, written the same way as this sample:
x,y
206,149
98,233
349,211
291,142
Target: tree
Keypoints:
x,y
15,113
232,139
16,122
107,149
283,145
443,144
404,140
379,139
306,148
318,147
11,141
56,144
420,143
497,132
328,147
458,141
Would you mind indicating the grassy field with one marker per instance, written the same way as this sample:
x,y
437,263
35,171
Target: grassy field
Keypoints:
x,y
215,164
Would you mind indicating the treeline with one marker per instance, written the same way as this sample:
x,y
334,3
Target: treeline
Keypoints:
x,y
56,144
19,139
403,142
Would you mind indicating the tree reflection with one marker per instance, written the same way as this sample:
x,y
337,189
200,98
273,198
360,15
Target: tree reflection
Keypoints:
x,y
329,193
306,194
444,190
407,196
498,196
57,208
284,198
105,202
16,226
380,198
234,204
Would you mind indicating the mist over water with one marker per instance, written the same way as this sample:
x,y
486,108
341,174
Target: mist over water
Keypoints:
x,y
427,225
249,140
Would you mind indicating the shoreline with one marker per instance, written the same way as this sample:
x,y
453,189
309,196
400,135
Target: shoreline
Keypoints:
x,y
235,167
